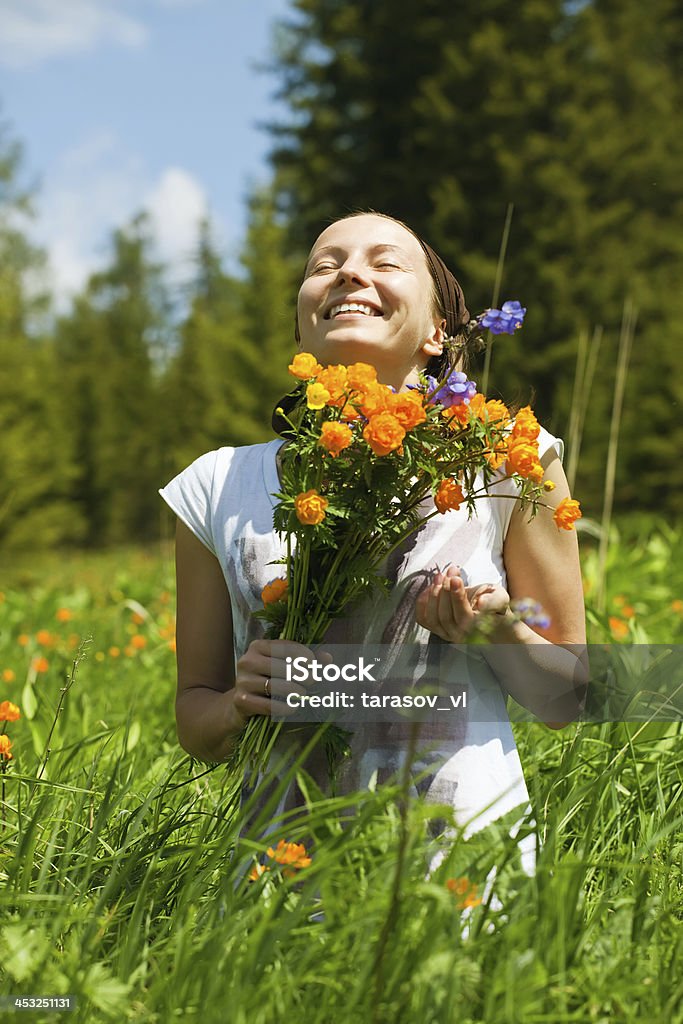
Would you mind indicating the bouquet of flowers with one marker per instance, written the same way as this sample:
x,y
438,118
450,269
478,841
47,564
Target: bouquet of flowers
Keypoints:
x,y
361,461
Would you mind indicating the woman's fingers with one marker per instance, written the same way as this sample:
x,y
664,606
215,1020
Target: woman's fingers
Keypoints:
x,y
263,676
451,610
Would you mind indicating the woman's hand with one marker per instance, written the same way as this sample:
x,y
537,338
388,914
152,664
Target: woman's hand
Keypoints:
x,y
451,610
261,677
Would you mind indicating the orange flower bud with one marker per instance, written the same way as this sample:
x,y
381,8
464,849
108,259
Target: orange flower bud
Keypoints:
x,y
292,854
335,437
310,507
274,591
526,424
8,675
408,408
5,746
457,415
373,399
9,712
64,615
359,375
522,457
304,366
566,514
449,495
384,433
334,380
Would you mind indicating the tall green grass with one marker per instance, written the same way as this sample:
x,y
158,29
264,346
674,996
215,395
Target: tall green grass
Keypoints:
x,y
125,876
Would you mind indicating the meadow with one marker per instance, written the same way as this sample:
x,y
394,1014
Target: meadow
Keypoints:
x,y
126,884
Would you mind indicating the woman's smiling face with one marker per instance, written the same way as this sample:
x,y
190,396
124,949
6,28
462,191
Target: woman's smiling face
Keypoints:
x,y
367,296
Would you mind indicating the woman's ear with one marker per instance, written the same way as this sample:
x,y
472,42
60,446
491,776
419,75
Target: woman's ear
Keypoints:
x,y
433,345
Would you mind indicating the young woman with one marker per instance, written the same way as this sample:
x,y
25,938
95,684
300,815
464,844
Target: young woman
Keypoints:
x,y
374,292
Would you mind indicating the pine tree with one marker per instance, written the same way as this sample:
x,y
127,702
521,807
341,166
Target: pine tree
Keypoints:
x,y
110,347
36,461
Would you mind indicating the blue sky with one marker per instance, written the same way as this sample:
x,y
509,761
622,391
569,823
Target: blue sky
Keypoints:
x,y
129,104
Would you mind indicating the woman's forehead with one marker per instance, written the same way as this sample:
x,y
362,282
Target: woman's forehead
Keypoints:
x,y
368,231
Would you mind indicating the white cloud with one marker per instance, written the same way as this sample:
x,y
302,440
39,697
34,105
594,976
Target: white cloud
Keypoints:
x,y
34,30
99,186
176,204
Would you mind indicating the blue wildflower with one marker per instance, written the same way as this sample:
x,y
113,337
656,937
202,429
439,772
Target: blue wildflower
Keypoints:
x,y
530,612
454,391
505,320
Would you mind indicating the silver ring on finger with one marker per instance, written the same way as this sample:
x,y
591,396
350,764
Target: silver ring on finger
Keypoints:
x,y
267,687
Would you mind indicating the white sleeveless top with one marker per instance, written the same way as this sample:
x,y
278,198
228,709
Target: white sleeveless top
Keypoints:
x,y
226,499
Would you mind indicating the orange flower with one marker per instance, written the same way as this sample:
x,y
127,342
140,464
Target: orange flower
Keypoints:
x,y
44,637
526,424
408,408
628,611
334,380
618,626
5,746
677,606
349,413
40,664
291,854
497,455
114,652
449,495
137,618
274,591
257,871
317,396
304,366
335,437
138,642
457,415
384,433
23,639
373,399
64,615
522,457
310,507
9,712
566,514
465,892
8,676
492,411
359,375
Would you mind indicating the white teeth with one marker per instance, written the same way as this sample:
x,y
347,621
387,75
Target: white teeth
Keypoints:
x,y
351,307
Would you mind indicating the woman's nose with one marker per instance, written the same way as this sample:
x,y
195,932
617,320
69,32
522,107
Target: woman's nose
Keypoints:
x,y
353,270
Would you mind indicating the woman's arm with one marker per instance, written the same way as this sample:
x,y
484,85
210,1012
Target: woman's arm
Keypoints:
x,y
546,671
549,676
206,718
216,696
